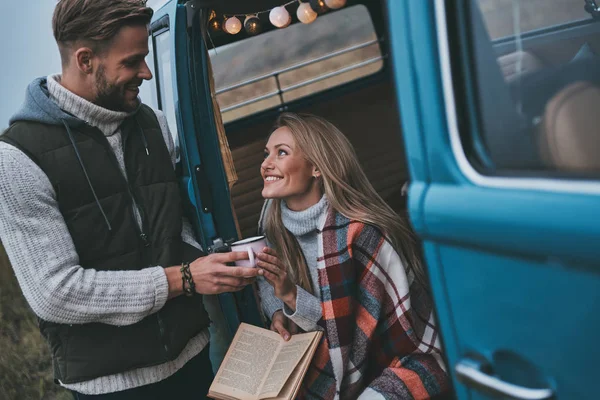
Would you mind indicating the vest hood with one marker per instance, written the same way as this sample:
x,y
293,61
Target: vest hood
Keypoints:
x,y
38,107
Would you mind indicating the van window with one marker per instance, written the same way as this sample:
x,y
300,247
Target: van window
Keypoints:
x,y
165,80
280,66
534,14
531,101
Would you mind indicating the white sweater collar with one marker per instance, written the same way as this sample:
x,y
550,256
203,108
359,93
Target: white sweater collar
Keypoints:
x,y
107,121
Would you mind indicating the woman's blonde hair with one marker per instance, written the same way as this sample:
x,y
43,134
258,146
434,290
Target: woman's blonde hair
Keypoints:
x,y
347,189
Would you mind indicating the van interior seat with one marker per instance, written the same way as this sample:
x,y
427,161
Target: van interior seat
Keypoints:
x,y
568,134
512,106
518,63
507,137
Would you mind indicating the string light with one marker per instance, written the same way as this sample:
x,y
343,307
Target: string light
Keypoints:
x,y
289,21
232,25
319,6
335,4
279,17
215,24
307,13
252,25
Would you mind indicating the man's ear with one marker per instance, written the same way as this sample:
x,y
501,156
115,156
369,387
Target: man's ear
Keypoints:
x,y
84,57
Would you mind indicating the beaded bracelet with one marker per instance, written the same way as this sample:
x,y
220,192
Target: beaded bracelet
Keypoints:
x,y
189,287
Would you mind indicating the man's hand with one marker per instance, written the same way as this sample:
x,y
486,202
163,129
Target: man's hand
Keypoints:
x,y
212,276
283,325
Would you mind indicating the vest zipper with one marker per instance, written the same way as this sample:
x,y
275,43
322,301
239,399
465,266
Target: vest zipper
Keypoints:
x,y
142,234
135,204
141,231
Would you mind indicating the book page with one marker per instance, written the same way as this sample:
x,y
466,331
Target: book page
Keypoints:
x,y
289,355
292,385
247,363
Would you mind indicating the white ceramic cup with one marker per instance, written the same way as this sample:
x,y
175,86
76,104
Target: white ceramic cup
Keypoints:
x,y
253,246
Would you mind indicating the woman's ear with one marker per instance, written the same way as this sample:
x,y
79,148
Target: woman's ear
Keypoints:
x,y
316,173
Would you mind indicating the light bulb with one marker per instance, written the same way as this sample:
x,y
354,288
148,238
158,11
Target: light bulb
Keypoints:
x,y
335,4
233,25
319,6
253,25
215,24
279,17
305,13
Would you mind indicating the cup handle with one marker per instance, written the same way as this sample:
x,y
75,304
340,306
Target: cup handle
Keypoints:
x,y
251,256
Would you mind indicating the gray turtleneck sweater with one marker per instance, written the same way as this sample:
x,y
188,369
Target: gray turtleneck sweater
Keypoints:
x,y
46,264
304,226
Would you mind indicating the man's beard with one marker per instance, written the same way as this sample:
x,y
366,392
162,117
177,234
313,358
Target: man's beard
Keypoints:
x,y
111,96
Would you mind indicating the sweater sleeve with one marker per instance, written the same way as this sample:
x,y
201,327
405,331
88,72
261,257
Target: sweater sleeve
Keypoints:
x,y
46,264
270,303
308,311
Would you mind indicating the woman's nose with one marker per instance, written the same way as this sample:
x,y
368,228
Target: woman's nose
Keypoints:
x,y
267,163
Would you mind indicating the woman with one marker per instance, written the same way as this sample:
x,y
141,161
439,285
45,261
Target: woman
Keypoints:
x,y
342,261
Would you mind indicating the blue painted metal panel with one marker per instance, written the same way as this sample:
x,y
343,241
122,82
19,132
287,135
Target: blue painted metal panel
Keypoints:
x,y
223,305
406,81
545,313
412,41
241,306
189,129
560,228
450,340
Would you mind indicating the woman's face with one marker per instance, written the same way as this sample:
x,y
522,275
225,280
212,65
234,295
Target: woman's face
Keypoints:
x,y
287,174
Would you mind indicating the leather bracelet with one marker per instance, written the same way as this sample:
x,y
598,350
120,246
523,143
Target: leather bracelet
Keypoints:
x,y
189,287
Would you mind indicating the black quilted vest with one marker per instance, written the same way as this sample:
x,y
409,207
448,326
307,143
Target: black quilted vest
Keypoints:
x,y
87,351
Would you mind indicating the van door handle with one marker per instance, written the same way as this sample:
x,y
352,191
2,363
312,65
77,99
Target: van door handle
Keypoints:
x,y
469,372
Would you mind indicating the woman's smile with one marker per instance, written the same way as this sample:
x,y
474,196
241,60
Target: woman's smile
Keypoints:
x,y
286,172
272,179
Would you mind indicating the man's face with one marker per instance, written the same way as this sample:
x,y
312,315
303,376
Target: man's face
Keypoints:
x,y
122,69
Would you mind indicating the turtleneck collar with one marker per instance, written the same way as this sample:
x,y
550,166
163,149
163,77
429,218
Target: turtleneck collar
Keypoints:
x,y
302,222
107,121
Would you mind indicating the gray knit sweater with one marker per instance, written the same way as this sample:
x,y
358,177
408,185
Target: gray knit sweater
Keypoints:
x,y
303,225
46,264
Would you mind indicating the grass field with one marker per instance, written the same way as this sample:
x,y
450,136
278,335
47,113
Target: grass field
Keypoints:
x,y
25,367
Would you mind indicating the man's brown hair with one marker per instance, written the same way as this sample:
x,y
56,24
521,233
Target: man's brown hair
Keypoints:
x,y
95,22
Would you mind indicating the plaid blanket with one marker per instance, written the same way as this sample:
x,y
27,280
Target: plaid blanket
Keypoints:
x,y
380,340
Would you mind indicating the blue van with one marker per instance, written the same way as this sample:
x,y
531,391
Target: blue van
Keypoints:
x,y
480,119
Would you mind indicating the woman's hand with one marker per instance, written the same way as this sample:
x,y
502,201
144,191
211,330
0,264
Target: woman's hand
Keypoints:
x,y
276,274
282,325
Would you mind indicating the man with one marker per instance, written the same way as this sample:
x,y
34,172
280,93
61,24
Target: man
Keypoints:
x,y
91,218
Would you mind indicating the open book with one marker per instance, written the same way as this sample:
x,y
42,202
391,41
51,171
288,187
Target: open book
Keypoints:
x,y
261,365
